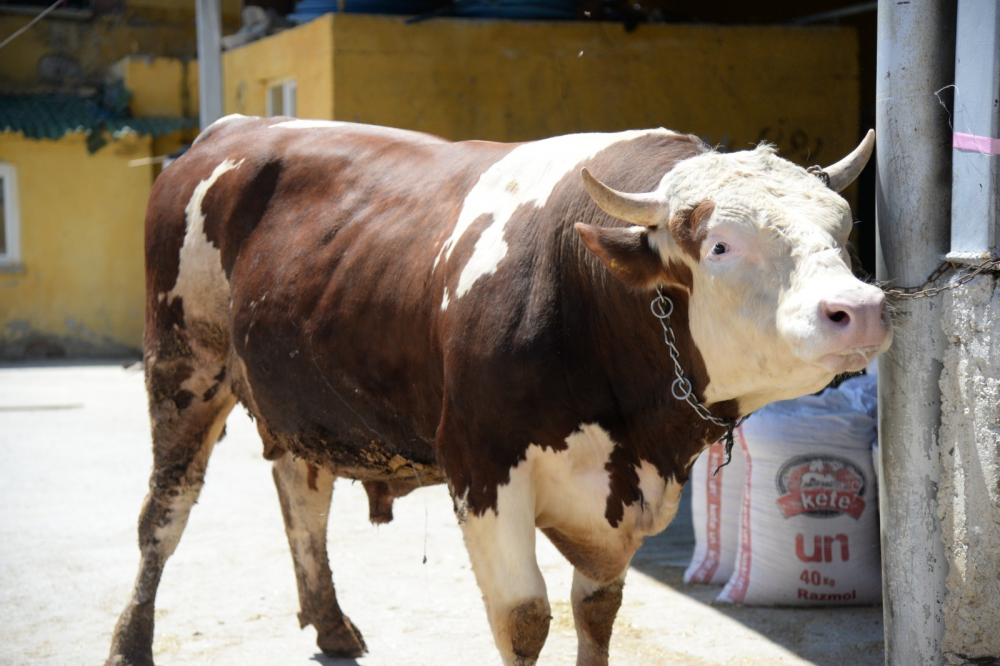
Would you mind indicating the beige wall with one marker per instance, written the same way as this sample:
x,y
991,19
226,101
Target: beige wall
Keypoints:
x,y
81,287
162,87
304,53
514,81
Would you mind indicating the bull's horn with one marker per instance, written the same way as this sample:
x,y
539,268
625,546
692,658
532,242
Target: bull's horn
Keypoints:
x,y
843,173
634,208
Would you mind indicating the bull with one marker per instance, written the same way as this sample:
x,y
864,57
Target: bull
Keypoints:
x,y
555,329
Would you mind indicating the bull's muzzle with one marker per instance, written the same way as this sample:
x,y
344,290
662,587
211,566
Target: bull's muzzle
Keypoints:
x,y
857,326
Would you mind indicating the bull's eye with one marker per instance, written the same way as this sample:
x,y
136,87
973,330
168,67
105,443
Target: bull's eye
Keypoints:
x,y
720,248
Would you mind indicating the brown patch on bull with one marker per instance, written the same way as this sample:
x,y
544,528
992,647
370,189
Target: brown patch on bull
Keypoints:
x,y
529,627
689,229
594,562
595,619
623,482
311,479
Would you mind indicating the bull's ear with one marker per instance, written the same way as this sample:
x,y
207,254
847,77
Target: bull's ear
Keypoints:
x,y
626,252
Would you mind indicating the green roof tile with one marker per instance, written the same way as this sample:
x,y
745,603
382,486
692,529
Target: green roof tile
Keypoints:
x,y
52,116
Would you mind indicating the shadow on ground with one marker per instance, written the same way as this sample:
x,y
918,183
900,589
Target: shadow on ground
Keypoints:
x,y
324,660
823,636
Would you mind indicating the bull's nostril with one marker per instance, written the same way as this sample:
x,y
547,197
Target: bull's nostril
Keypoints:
x,y
839,317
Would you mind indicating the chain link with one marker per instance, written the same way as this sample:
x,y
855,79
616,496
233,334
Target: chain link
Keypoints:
x,y
681,388
912,293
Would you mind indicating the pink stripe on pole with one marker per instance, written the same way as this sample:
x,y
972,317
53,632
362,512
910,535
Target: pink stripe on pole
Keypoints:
x,y
980,144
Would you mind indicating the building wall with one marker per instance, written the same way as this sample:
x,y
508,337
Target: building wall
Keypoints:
x,y
81,289
304,53
161,86
969,490
160,27
515,81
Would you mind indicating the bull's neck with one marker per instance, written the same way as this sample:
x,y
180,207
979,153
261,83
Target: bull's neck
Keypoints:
x,y
627,350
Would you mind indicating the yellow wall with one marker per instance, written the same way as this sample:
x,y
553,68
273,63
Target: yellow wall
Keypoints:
x,y
304,53
515,81
81,246
161,87
158,86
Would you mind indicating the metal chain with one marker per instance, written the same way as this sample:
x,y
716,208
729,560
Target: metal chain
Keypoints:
x,y
908,293
681,388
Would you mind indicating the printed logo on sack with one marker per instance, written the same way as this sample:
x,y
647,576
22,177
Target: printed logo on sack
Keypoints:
x,y
821,486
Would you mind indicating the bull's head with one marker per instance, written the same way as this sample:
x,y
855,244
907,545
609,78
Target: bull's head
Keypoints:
x,y
760,243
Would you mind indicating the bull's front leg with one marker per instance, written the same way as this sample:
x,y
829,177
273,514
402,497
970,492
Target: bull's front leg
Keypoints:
x,y
501,545
595,606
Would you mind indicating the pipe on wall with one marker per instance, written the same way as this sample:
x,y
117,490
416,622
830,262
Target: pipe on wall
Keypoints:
x,y
916,49
208,17
975,202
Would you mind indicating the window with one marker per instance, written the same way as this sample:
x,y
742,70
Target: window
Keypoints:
x,y
10,220
281,99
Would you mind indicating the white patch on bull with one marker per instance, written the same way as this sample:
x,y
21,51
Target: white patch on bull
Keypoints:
x,y
572,488
525,176
216,125
444,300
377,130
201,281
660,499
568,491
501,546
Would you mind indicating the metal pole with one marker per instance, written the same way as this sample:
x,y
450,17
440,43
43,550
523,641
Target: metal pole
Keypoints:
x,y
209,23
976,148
916,47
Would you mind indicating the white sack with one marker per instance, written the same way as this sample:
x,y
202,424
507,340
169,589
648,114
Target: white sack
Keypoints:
x,y
809,531
715,512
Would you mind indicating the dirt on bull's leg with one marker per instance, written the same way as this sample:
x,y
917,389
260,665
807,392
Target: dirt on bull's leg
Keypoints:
x,y
185,430
595,607
305,493
529,627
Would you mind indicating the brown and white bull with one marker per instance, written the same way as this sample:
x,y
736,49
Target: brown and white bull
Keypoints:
x,y
402,310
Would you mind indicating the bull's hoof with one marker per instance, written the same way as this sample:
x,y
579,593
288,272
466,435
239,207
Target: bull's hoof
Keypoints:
x,y
341,639
122,660
132,643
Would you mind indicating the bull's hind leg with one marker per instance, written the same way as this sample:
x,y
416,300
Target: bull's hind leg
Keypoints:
x,y
595,606
305,493
189,403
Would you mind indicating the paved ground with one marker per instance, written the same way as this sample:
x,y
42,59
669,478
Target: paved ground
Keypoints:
x,y
74,460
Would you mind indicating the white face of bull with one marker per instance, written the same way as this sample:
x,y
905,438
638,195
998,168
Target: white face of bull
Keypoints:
x,y
774,308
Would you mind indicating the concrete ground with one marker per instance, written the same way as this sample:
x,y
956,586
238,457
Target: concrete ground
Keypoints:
x,y
74,459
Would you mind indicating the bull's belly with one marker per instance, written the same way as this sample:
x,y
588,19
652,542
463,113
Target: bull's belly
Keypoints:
x,y
332,422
